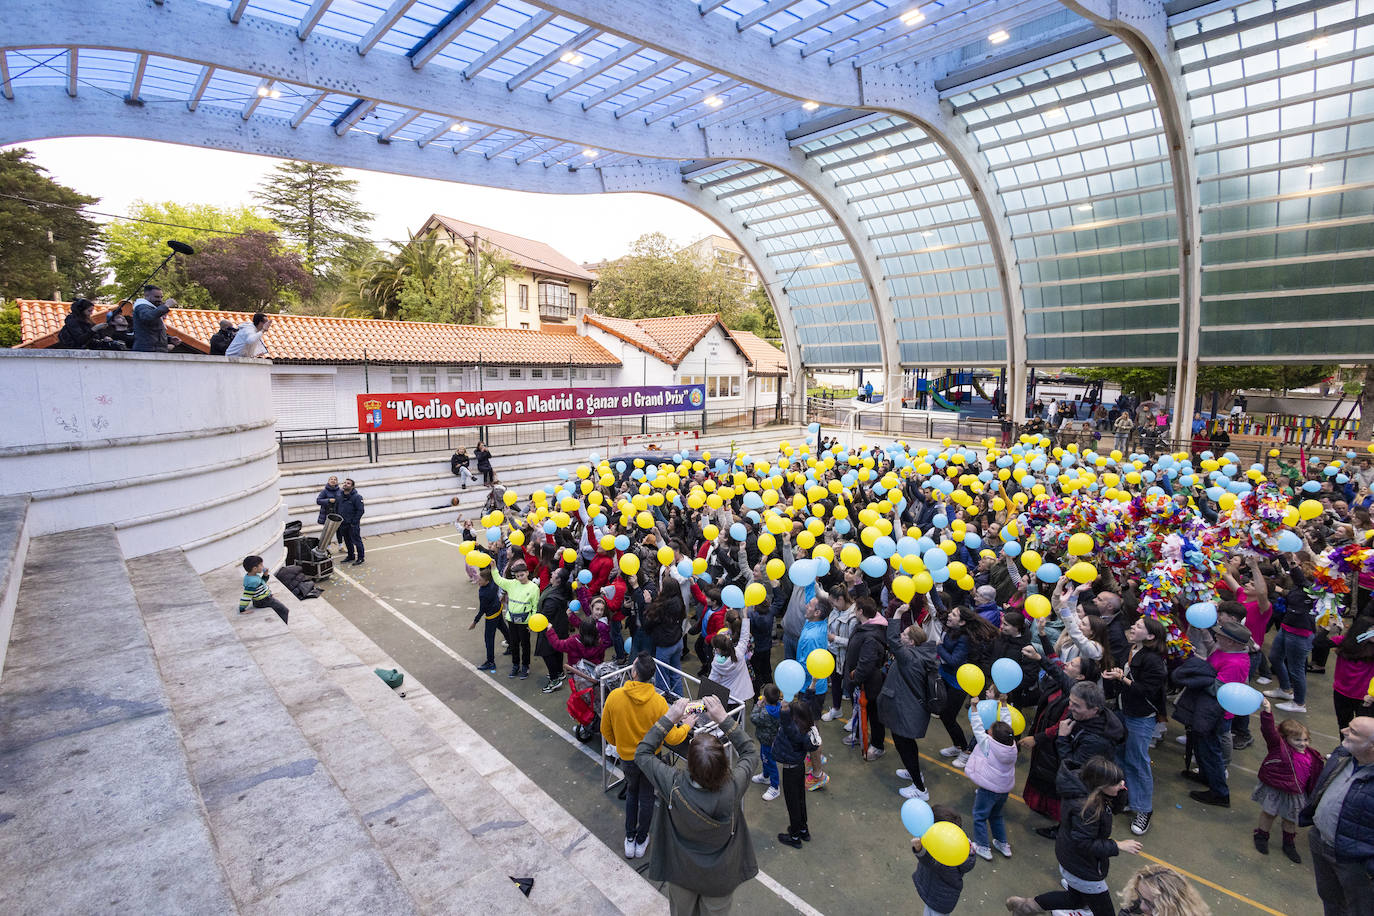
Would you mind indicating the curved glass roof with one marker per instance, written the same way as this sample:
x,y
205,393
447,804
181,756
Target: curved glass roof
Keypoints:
x,y
969,182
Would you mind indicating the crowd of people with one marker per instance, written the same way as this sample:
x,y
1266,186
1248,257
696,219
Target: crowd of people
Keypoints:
x,y
1054,608
143,328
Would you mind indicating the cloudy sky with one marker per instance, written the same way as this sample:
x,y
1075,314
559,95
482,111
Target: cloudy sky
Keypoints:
x,y
585,228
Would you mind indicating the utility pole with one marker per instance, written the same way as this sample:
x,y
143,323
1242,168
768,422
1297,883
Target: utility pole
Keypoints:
x,y
52,263
476,280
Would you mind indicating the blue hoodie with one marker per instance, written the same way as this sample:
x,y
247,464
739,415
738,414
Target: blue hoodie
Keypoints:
x,y
814,635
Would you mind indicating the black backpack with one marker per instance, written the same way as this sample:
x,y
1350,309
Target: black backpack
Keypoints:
x,y
937,691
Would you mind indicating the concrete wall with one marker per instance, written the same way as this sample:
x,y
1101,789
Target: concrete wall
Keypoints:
x,y
173,451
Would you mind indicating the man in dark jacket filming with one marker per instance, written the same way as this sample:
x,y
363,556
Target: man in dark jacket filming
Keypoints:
x,y
1341,811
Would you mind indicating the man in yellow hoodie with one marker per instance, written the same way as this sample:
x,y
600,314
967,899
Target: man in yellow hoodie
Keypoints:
x,y
629,713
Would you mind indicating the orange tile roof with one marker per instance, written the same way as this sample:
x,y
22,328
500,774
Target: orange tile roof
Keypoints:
x,y
538,257
323,339
679,334
764,358
630,332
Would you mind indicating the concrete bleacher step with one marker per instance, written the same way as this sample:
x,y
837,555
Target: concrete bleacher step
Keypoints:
x,y
287,837
456,819
99,811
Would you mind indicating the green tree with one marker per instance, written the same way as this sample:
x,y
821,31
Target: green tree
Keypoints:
x,y
431,280
10,331
756,315
133,249
317,207
32,205
1223,381
658,280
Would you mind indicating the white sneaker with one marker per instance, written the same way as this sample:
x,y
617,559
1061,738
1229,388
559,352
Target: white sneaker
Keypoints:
x,y
983,852
830,715
629,847
962,760
851,722
1003,848
914,791
950,751
873,753
760,778
641,848
1290,706
903,774
1262,681
1278,693
770,793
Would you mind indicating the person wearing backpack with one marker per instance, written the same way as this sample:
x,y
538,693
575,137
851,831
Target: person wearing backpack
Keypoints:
x,y
865,656
906,700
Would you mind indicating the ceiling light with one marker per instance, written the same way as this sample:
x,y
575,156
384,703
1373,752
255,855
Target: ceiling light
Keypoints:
x,y
1317,43
714,101
1084,208
998,36
590,153
572,57
262,92
810,106
275,93
911,17
882,160
1055,112
459,128
1314,169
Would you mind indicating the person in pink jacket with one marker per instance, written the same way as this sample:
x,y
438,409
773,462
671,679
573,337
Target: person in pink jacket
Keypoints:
x,y
590,643
992,768
1286,778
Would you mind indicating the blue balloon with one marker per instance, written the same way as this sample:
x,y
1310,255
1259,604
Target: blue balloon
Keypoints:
x,y
684,568
1311,486
731,596
789,676
842,526
1202,615
585,577
813,428
1006,674
622,542
1330,471
935,558
802,573
753,500
908,545
550,527
940,521
884,546
987,711
562,473
600,520
917,817
1289,542
620,467
1048,573
493,535
1239,699
1215,493
574,605
629,641
939,576
1011,549
1342,479
738,531
972,541
873,566
822,566
923,544
705,577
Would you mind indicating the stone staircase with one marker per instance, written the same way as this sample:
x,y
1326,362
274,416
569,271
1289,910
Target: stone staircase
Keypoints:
x,y
160,752
402,494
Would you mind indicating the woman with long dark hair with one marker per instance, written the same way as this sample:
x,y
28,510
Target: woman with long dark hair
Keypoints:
x,y
967,637
1084,846
1140,687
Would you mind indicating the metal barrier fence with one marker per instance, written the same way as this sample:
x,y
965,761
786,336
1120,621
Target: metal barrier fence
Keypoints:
x,y
295,446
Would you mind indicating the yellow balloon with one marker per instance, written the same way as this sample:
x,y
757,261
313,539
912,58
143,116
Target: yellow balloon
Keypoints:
x,y
966,583
1080,544
698,566
1309,509
775,568
710,532
510,497
806,540
957,570
1030,561
629,564
755,594
538,623
478,559
948,547
924,582
912,564
820,663
904,589
970,678
569,555
1018,721
1228,502
1038,606
466,546
851,556
1291,516
824,552
517,538
1082,573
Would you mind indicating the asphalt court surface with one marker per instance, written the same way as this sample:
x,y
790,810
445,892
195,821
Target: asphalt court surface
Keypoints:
x,y
859,859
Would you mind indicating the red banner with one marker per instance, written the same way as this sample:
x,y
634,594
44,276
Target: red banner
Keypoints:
x,y
380,413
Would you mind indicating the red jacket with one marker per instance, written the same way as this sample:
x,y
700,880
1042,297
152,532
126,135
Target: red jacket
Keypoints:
x,y
1277,769
602,567
616,602
576,650
715,623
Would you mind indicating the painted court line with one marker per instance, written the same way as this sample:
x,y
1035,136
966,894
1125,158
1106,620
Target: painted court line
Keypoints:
x,y
782,892
407,544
